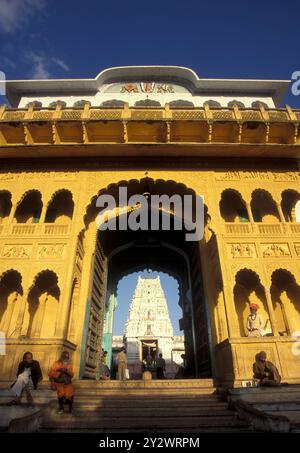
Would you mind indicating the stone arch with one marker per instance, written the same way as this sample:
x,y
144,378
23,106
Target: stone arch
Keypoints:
x,y
212,103
237,103
29,208
43,301
34,104
5,205
81,103
104,243
145,182
54,104
249,289
233,207
113,103
263,206
60,208
257,104
290,200
181,103
285,293
147,103
11,293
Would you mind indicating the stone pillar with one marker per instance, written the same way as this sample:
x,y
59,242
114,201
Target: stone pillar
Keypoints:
x,y
232,323
19,324
271,312
12,213
40,316
43,213
63,315
279,208
12,298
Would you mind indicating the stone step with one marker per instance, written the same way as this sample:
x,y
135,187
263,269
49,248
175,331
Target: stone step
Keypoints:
x,y
131,412
151,405
122,392
108,424
189,430
140,384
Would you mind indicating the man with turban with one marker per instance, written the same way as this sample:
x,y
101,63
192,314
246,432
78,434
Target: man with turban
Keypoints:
x,y
265,371
255,324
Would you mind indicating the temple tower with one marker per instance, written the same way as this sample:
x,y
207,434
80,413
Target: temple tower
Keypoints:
x,y
148,328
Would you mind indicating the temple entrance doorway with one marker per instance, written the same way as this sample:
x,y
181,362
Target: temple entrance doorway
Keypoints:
x,y
121,252
149,349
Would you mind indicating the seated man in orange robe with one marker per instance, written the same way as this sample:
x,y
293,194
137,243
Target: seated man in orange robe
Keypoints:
x,y
61,374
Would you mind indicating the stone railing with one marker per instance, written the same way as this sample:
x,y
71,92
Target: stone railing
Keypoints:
x,y
19,229
238,228
204,125
56,230
268,229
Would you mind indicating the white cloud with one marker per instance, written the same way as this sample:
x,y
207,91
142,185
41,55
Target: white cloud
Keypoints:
x,y
41,65
15,13
61,64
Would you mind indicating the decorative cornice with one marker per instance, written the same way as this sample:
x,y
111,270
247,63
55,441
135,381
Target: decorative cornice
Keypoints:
x,y
202,131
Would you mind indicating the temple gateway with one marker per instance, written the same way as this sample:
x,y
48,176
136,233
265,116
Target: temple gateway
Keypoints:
x,y
149,331
157,130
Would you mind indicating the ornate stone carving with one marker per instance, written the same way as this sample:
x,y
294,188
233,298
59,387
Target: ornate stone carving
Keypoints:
x,y
297,249
52,251
242,250
16,251
275,250
257,175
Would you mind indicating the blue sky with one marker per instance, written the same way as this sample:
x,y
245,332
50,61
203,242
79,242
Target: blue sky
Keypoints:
x,y
218,39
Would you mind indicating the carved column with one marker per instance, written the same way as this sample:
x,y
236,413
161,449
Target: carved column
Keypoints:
x,y
271,312
12,299
43,213
62,324
12,213
40,316
19,324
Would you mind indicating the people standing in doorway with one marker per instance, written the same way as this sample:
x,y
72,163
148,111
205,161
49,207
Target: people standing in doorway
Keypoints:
x,y
29,375
122,364
62,373
105,371
160,367
149,360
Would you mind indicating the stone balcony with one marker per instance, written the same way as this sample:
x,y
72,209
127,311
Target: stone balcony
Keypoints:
x,y
45,229
263,229
202,131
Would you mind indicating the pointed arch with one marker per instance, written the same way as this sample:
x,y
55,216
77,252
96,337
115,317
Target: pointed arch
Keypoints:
x,y
263,206
60,208
29,208
43,300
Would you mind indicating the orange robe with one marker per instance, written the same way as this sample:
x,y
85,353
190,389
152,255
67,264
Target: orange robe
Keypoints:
x,y
63,390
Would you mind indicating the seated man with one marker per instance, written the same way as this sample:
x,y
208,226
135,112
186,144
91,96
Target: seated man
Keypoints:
x,y
266,372
29,374
255,324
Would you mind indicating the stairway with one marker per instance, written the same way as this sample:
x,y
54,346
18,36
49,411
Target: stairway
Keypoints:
x,y
172,406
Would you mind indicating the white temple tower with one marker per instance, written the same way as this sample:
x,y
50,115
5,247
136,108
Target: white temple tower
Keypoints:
x,y
148,328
